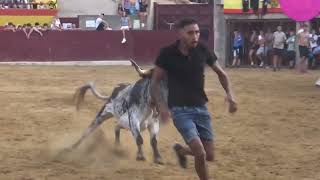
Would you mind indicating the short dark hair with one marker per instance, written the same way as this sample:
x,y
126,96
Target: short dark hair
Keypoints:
x,y
36,24
186,22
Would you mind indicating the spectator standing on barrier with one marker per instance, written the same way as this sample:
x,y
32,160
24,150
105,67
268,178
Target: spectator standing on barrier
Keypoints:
x,y
143,12
279,38
291,41
237,49
125,23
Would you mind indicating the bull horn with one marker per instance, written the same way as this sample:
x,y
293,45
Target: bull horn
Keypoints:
x,y
140,71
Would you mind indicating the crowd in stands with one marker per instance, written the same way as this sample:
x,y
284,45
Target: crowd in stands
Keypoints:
x,y
28,4
29,28
282,46
134,8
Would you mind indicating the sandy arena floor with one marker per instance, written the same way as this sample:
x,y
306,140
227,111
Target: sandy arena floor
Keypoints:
x,y
275,135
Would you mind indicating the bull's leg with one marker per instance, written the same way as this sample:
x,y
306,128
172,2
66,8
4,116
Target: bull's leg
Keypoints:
x,y
134,123
139,141
154,130
100,118
117,134
135,129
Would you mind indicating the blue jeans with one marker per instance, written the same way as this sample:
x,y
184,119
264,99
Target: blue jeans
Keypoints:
x,y
192,122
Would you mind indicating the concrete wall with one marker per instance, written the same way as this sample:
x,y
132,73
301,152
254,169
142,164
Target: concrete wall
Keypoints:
x,y
73,8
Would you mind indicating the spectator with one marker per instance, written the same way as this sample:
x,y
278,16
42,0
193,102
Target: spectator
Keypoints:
x,y
45,27
253,46
143,12
291,41
10,27
313,39
237,49
120,9
279,38
269,44
303,42
36,28
125,23
56,24
26,28
101,24
313,44
261,52
19,28
126,6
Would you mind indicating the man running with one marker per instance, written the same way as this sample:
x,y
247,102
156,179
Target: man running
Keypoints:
x,y
183,64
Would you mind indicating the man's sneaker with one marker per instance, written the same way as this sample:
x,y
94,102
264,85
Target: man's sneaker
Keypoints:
x,y
142,25
181,158
261,65
123,40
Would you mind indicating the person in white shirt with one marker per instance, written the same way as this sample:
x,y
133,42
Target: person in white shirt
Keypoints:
x,y
102,24
313,39
56,24
261,52
279,39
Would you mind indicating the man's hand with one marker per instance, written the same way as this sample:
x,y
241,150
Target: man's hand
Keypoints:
x,y
232,104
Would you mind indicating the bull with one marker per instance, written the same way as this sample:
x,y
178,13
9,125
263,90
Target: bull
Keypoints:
x,y
133,109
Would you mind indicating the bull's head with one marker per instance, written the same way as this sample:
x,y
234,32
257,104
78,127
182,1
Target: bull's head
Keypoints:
x,y
161,102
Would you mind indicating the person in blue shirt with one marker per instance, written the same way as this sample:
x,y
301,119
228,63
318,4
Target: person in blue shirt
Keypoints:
x,y
237,49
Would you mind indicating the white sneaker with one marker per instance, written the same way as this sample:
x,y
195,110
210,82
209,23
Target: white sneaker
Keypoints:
x,y
261,64
142,24
123,40
252,64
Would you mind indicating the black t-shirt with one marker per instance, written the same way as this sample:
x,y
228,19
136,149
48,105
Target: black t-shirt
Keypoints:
x,y
185,74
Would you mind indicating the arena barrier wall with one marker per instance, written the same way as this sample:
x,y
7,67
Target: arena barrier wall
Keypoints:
x,y
143,46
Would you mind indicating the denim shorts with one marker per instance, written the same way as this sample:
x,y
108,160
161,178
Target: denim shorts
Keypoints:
x,y
192,122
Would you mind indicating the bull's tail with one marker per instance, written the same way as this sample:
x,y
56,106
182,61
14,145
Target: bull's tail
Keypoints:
x,y
80,93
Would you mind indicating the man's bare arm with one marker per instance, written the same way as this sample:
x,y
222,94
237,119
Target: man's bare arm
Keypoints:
x,y
224,81
37,30
157,75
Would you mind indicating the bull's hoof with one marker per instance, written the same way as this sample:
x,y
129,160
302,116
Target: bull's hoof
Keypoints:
x,y
158,160
140,158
